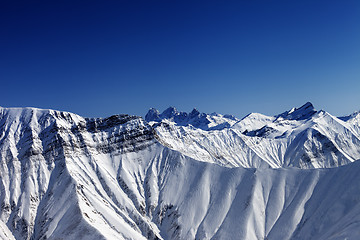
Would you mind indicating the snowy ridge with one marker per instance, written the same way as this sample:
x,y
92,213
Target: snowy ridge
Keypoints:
x,y
63,176
196,119
301,137
301,113
43,155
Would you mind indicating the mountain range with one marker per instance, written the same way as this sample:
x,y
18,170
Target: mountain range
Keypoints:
x,y
177,175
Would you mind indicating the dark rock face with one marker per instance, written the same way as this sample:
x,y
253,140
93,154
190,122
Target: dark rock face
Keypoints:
x,y
153,115
301,113
262,132
116,134
195,118
54,134
169,113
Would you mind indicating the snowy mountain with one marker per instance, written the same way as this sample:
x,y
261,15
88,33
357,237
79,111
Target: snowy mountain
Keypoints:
x,y
301,137
184,176
196,119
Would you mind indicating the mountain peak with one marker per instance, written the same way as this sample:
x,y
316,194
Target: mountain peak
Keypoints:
x,y
304,112
195,118
354,115
307,105
194,113
152,115
169,112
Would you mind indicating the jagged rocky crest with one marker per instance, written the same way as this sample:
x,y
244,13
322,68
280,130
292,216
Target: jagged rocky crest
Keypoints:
x,y
302,113
301,137
194,118
184,176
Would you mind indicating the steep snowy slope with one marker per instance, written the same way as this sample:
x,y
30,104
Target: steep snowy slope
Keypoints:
x,y
46,159
301,137
67,177
353,122
211,202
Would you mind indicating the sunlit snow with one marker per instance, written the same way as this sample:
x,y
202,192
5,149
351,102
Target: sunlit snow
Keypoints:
x,y
184,176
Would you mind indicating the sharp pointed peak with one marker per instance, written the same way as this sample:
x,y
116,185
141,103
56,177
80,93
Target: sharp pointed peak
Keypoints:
x,y
307,105
194,112
301,113
152,115
170,109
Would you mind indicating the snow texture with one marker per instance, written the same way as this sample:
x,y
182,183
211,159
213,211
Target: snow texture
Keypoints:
x,y
184,176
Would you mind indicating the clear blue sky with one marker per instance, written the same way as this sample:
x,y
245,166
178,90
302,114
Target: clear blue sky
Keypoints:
x,y
98,58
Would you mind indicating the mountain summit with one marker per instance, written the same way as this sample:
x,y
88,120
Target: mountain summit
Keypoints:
x,y
301,137
194,118
301,113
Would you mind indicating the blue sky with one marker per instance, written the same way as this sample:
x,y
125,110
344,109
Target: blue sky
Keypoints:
x,y
98,58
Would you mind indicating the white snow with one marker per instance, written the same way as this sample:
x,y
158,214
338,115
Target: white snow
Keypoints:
x,y
301,137
291,176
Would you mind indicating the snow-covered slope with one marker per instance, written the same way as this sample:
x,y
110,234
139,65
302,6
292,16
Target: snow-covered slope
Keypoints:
x,y
63,176
301,137
47,157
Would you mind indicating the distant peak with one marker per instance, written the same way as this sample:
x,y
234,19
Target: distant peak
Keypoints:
x,y
153,110
169,112
307,105
230,116
354,115
171,108
194,118
304,112
194,113
152,115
